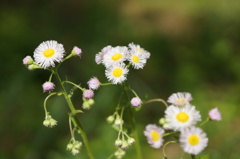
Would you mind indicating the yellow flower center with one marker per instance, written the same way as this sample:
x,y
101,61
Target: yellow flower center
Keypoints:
x,y
135,59
48,52
155,135
193,140
140,50
117,72
116,56
181,101
182,117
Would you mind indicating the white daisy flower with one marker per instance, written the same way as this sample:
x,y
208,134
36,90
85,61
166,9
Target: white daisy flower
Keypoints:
x,y
137,59
180,99
115,55
48,52
193,140
137,48
116,73
179,118
99,56
154,135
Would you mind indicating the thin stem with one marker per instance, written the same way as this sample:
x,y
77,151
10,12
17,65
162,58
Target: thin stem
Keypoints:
x,y
111,156
105,84
205,121
70,127
170,142
74,85
193,156
134,92
170,133
135,134
156,100
45,101
74,114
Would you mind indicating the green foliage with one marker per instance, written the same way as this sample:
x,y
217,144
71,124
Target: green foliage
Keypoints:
x,y
194,47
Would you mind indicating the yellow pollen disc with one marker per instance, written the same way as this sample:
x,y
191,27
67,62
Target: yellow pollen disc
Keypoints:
x,y
116,56
182,117
135,59
140,50
181,101
48,52
117,72
193,140
155,135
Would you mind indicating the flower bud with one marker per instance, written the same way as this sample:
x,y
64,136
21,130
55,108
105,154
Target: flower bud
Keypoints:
x,y
215,115
46,123
118,142
69,146
88,94
91,102
28,60
52,122
130,140
75,151
124,145
76,51
93,83
85,105
77,145
136,102
110,119
48,86
118,122
162,121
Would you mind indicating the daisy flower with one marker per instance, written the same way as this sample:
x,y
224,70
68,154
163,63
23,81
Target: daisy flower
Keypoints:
x,y
116,73
99,56
48,52
137,49
137,60
115,55
193,140
180,99
154,135
181,117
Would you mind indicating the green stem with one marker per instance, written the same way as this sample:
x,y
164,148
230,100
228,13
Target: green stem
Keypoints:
x,y
74,114
170,142
193,156
205,121
74,85
105,84
156,100
135,134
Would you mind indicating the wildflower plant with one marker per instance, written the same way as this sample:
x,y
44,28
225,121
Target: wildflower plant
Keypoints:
x,y
180,119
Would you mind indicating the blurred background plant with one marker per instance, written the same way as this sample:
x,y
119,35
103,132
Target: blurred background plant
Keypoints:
x,y
194,47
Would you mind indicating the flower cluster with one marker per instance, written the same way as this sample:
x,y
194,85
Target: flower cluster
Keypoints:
x,y
74,146
181,117
48,56
118,59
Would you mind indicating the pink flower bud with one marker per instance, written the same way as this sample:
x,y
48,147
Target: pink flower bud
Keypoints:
x,y
48,86
88,94
214,114
136,102
93,83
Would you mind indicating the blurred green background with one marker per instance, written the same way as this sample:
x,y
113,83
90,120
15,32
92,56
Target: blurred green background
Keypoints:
x,y
194,47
